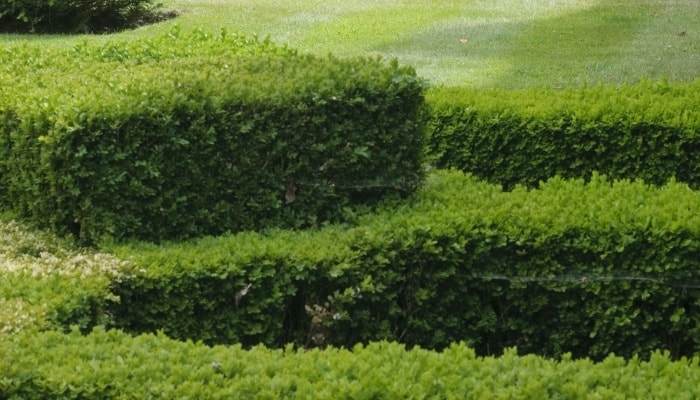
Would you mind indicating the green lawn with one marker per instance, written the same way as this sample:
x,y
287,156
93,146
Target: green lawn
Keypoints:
x,y
480,43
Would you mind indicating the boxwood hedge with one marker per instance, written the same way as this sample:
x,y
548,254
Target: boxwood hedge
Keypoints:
x,y
112,365
192,134
587,268
648,130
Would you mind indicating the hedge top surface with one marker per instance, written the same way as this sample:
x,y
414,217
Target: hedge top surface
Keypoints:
x,y
646,100
140,71
111,364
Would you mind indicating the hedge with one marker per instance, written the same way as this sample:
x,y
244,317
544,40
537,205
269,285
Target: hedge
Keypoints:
x,y
198,134
111,365
588,268
583,268
648,130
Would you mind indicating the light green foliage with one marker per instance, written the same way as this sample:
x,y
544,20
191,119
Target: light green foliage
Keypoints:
x,y
48,283
40,255
115,365
647,130
588,268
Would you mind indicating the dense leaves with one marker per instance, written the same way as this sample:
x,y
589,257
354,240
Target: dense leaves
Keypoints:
x,y
571,267
648,130
213,134
106,365
194,134
46,283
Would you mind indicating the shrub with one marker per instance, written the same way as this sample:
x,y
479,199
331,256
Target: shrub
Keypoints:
x,y
589,269
47,283
70,16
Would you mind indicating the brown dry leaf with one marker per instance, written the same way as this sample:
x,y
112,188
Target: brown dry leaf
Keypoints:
x,y
291,194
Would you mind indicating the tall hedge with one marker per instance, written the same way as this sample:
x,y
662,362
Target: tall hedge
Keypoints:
x,y
647,130
583,268
199,134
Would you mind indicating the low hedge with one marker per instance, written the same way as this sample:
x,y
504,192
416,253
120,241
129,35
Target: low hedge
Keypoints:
x,y
193,134
647,130
572,267
111,365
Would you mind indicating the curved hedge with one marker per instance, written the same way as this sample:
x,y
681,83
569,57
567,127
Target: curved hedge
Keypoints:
x,y
188,135
647,130
107,365
583,268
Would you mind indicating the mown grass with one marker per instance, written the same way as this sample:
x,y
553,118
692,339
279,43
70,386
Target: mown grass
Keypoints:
x,y
479,43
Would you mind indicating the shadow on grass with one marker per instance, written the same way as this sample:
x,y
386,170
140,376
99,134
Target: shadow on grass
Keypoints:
x,y
599,44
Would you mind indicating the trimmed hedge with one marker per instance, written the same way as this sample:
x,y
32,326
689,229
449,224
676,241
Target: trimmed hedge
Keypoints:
x,y
111,365
199,134
572,267
648,130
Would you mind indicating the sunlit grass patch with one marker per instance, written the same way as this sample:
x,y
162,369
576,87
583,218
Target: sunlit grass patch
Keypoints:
x,y
565,46
498,43
370,30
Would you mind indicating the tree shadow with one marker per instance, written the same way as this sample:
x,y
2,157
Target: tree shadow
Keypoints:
x,y
566,49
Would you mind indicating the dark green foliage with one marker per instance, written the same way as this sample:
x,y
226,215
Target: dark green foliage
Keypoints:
x,y
583,268
111,364
648,131
71,16
189,135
